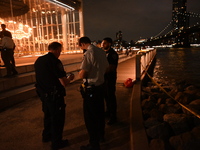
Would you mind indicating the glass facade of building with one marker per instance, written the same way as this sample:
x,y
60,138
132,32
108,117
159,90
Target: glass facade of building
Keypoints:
x,y
44,23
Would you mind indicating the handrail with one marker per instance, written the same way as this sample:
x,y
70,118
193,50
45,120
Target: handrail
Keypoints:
x,y
138,137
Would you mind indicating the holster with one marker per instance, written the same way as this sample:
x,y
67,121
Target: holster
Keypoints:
x,y
54,93
87,92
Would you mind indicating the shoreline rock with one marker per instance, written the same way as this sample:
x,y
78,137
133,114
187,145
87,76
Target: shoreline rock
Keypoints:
x,y
168,125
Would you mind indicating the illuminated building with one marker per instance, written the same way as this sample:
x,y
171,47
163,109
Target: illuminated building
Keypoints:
x,y
179,17
45,21
180,22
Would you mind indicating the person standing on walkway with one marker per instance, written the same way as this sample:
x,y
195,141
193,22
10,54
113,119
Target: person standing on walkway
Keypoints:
x,y
92,72
7,54
3,27
51,81
9,34
110,81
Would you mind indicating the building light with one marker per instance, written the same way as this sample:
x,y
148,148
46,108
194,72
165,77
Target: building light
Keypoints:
x,y
18,30
61,4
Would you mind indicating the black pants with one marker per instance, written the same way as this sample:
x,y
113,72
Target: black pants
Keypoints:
x,y
94,116
110,97
7,56
54,118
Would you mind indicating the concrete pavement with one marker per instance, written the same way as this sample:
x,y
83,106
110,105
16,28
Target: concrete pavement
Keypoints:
x,y
21,125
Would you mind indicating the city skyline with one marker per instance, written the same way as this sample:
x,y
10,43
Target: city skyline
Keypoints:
x,y
136,19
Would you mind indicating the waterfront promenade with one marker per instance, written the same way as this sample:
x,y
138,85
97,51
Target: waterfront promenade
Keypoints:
x,y
21,125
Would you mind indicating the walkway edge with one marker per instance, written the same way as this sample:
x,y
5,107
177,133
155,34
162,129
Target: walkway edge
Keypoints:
x,y
138,135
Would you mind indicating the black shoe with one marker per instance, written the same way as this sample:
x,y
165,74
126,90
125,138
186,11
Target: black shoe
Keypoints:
x,y
61,144
112,121
89,147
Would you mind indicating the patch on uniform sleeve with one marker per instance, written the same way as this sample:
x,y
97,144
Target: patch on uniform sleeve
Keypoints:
x,y
114,56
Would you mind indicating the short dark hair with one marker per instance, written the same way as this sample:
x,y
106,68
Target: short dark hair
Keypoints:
x,y
3,25
54,46
109,40
84,39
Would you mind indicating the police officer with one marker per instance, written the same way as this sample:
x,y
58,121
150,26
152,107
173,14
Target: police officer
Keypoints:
x,y
51,81
110,80
92,72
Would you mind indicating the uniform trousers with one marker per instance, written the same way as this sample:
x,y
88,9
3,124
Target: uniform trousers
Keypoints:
x,y
110,97
7,56
93,108
53,107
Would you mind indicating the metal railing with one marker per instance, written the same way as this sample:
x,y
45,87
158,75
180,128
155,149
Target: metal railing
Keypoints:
x,y
138,137
143,61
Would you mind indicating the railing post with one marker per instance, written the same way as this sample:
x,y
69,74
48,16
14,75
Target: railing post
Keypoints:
x,y
138,66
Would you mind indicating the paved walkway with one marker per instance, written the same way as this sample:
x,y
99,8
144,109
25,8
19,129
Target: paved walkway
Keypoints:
x,y
21,125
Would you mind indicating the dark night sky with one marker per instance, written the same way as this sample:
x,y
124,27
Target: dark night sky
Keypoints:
x,y
135,18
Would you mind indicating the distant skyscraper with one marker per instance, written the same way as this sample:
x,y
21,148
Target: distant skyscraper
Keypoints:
x,y
179,14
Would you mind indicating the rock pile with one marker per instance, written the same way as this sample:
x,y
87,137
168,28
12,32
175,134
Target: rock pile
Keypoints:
x,y
168,125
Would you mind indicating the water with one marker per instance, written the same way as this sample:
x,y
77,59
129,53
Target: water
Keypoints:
x,y
178,64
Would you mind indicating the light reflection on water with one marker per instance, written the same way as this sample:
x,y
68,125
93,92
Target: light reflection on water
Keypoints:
x,y
178,64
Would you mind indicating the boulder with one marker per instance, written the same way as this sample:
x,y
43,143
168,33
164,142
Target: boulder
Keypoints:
x,y
196,133
191,90
191,110
155,113
179,142
178,122
184,98
170,101
160,131
178,95
161,101
185,141
195,104
173,109
148,105
157,144
168,109
151,122
196,121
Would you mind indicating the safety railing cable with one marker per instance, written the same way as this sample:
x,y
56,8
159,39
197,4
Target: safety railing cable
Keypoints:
x,y
183,106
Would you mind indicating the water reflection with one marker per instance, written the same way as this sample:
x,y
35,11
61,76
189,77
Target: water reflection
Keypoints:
x,y
175,65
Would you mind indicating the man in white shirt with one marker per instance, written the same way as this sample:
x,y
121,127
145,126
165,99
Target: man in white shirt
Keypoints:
x,y
92,72
7,54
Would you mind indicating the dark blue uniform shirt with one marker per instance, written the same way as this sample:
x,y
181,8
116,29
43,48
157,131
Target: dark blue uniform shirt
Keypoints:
x,y
48,70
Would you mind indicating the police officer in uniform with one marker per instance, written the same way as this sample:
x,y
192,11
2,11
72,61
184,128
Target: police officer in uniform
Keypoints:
x,y
110,80
51,81
92,72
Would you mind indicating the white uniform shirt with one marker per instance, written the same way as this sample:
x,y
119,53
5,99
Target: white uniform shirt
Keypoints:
x,y
7,42
95,63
